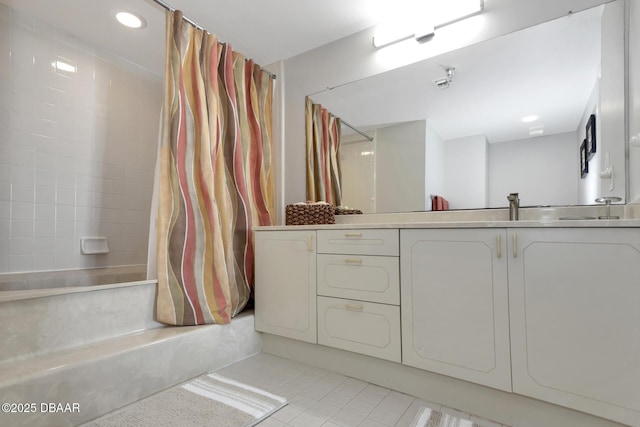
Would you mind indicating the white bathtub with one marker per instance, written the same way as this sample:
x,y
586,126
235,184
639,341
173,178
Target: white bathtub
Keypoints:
x,y
71,278
100,347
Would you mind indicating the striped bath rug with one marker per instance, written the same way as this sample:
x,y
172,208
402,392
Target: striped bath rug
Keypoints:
x,y
209,400
427,417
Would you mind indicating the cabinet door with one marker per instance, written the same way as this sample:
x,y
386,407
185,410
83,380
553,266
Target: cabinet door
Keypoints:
x,y
361,327
285,290
575,318
454,304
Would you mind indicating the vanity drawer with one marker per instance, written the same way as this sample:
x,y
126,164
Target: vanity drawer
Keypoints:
x,y
360,242
359,277
361,327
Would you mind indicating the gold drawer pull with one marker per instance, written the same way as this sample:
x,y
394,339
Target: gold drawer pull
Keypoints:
x,y
353,261
352,235
354,307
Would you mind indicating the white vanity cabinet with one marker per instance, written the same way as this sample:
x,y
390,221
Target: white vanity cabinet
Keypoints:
x,y
575,318
359,291
285,284
455,314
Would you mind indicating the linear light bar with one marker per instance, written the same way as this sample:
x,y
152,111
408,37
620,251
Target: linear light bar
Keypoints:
x,y
421,24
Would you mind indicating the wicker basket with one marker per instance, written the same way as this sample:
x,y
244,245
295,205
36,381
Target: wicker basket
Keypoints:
x,y
346,211
309,214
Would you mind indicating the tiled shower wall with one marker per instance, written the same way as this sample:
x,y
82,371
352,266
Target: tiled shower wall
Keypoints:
x,y
77,149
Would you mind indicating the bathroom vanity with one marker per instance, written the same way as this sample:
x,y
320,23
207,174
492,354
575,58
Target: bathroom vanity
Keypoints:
x,y
547,310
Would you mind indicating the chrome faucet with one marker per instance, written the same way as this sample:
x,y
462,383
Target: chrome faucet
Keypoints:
x,y
514,205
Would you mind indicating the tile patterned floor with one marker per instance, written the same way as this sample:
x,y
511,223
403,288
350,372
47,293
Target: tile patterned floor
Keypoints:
x,y
320,398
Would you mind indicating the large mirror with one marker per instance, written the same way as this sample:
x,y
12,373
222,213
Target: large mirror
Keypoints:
x,y
472,125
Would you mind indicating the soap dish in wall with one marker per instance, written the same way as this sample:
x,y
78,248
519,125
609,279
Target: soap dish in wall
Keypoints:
x,y
94,245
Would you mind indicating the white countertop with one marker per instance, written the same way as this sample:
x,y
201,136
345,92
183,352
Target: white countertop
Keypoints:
x,y
590,223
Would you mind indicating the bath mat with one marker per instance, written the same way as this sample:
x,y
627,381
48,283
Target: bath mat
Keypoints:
x,y
209,400
427,417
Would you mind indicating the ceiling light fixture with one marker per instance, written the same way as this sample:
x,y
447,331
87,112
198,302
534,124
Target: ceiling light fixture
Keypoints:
x,y
131,20
412,24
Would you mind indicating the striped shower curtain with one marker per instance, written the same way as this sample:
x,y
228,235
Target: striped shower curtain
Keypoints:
x,y
323,155
214,177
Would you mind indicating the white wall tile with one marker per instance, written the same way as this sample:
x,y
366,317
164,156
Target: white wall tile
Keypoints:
x,y
43,262
46,195
22,210
65,213
22,192
5,209
44,229
21,246
21,228
77,151
5,229
22,175
44,246
45,211
45,178
65,228
20,263
65,196
5,190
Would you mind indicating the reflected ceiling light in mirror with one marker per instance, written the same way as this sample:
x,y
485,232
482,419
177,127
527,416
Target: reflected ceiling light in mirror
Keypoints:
x,y
530,118
420,20
64,66
536,130
130,19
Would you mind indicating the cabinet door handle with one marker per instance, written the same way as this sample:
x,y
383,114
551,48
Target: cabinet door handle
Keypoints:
x,y
347,235
309,242
354,307
499,246
514,239
353,261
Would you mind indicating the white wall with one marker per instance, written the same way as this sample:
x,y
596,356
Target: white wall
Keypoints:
x,y
354,58
634,100
434,166
400,173
612,101
357,158
77,150
543,170
466,172
589,186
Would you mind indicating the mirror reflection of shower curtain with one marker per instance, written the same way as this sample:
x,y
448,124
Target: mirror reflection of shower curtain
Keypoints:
x,y
323,155
214,177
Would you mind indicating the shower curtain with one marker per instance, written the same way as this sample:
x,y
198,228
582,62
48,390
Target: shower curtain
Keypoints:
x,y
323,155
214,177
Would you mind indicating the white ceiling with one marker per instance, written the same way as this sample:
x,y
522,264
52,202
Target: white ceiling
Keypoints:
x,y
264,31
561,60
548,70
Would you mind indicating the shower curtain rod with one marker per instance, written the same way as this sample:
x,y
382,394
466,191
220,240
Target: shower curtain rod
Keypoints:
x,y
195,24
360,132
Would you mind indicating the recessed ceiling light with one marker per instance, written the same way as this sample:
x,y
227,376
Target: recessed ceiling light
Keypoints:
x,y
131,20
536,130
529,119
